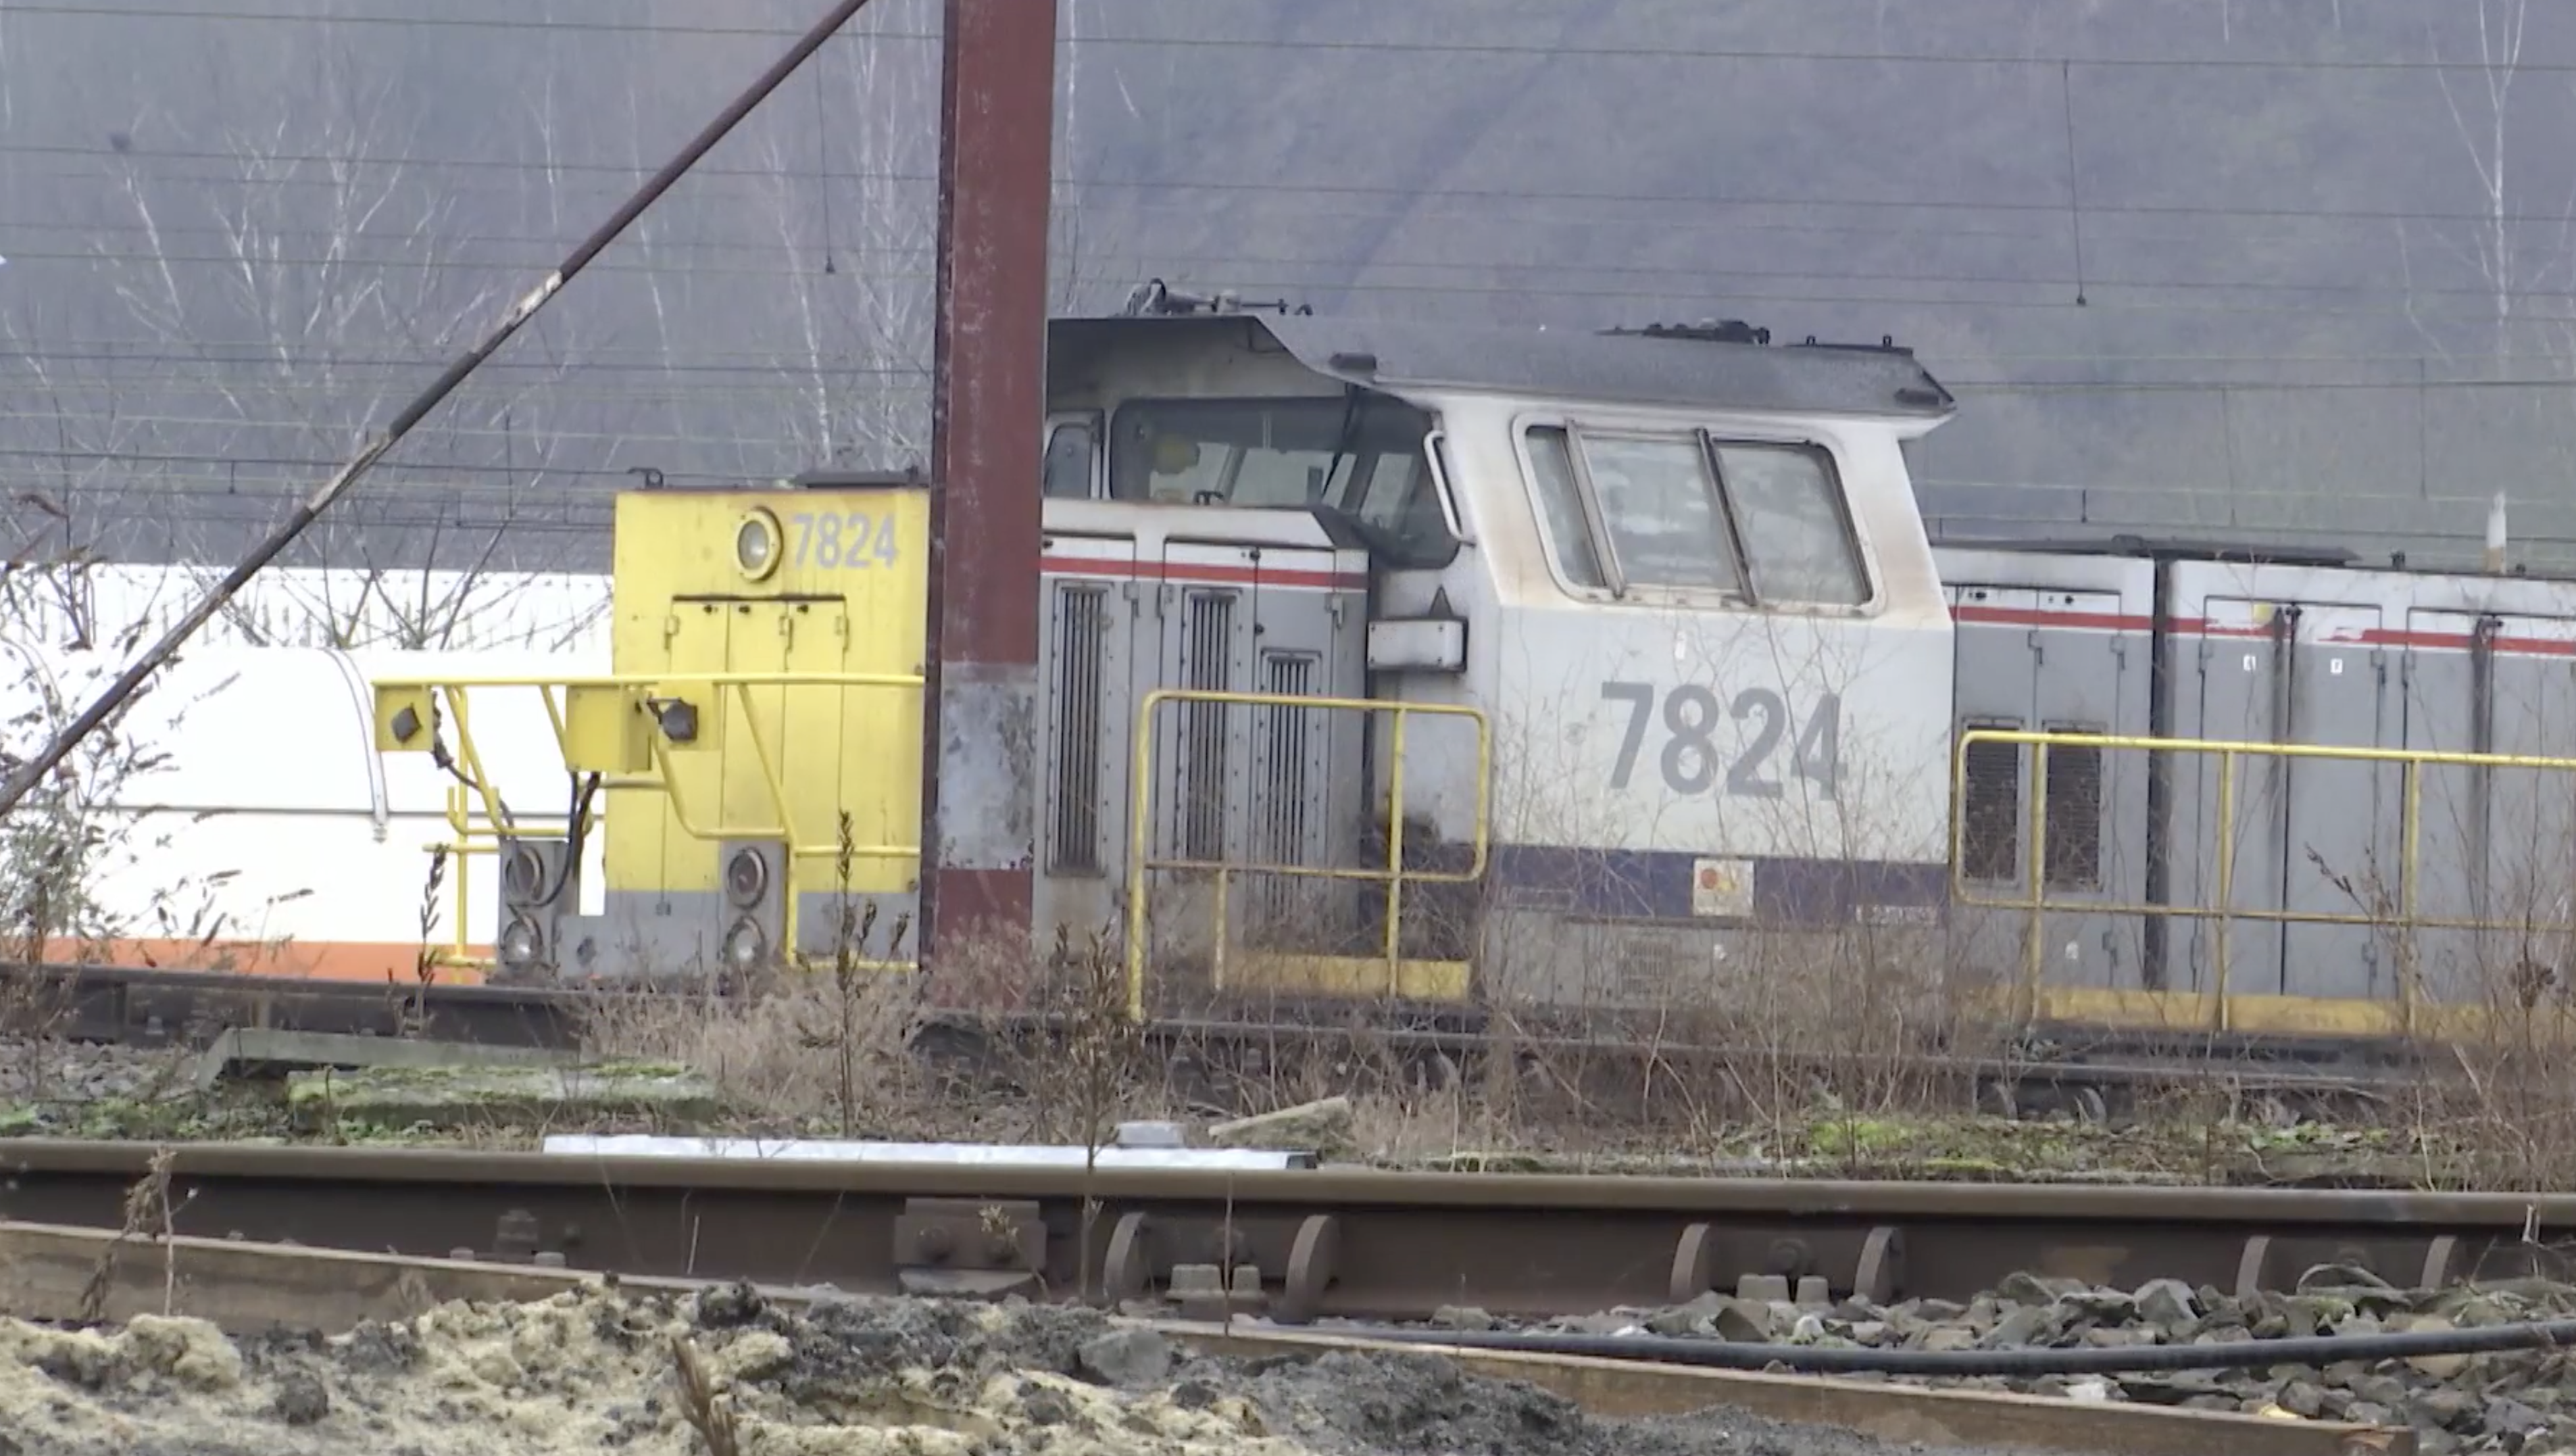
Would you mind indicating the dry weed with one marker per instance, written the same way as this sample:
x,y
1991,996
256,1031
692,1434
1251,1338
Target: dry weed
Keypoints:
x,y
709,1417
794,1049
148,1213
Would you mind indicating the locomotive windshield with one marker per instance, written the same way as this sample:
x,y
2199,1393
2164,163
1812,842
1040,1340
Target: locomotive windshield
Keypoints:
x,y
1359,457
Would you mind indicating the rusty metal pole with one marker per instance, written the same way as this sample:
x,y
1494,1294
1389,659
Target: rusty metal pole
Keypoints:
x,y
988,412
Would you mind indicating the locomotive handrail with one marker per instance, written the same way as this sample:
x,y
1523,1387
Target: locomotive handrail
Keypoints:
x,y
2031,866
471,839
664,679
1394,875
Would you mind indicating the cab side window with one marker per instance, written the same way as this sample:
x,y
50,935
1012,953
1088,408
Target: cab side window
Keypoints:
x,y
1560,501
1790,508
1688,511
1068,460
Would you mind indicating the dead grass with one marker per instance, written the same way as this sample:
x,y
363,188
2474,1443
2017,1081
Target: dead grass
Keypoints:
x,y
2496,1108
801,1052
832,1052
1842,1055
705,1410
1783,1074
149,1214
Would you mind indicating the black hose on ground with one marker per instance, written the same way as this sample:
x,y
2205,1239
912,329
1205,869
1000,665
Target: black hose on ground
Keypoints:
x,y
2244,1354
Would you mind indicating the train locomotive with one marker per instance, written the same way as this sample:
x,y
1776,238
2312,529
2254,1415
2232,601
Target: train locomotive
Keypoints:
x,y
1377,660
1575,674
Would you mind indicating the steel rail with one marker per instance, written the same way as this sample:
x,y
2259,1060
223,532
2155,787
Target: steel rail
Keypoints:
x,y
147,1006
140,1006
1329,1243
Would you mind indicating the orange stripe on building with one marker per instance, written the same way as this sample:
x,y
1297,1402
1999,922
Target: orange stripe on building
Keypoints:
x,y
378,962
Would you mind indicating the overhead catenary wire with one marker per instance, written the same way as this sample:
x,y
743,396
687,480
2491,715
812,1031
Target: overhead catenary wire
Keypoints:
x,y
1283,193
789,262
35,769
1670,50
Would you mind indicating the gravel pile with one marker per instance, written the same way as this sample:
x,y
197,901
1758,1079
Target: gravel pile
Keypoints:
x,y
592,1371
75,1072
2468,1404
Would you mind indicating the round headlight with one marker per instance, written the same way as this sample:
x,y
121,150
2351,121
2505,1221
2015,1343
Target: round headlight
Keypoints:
x,y
521,944
523,873
755,545
745,946
746,878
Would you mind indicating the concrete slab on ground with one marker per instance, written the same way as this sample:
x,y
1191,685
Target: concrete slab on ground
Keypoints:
x,y
250,1051
467,1096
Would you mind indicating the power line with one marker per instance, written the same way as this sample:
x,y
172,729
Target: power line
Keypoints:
x,y
1686,286
1658,51
529,395
437,22
1678,271
553,437
1879,231
35,354
263,351
2056,237
621,171
643,360
420,265
1289,191
548,435
223,468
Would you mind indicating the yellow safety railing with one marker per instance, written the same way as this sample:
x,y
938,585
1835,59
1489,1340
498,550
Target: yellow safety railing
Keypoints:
x,y
2036,904
471,839
1392,874
608,724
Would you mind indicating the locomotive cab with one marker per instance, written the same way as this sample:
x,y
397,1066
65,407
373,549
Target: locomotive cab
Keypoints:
x,y
1629,638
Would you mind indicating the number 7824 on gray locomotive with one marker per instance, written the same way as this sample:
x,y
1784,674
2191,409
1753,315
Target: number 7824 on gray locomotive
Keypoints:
x,y
1681,577
1685,576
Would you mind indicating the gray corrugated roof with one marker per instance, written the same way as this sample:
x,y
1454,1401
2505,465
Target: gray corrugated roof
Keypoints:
x,y
1793,378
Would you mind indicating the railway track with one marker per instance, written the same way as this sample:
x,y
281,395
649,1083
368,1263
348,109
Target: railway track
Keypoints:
x,y
135,1006
1301,1245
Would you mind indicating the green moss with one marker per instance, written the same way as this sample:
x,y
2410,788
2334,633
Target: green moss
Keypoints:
x,y
1843,1136
1487,1162
1967,1169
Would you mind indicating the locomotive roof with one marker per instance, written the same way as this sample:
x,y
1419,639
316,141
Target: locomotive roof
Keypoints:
x,y
1634,368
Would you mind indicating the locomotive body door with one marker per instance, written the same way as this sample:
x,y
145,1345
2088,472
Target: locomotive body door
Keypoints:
x,y
2495,843
1307,786
2311,836
2082,686
2530,858
2054,660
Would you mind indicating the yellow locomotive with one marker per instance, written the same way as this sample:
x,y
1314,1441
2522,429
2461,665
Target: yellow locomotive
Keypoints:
x,y
757,741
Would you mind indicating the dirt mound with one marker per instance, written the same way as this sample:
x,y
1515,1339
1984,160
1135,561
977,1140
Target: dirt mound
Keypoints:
x,y
595,1371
